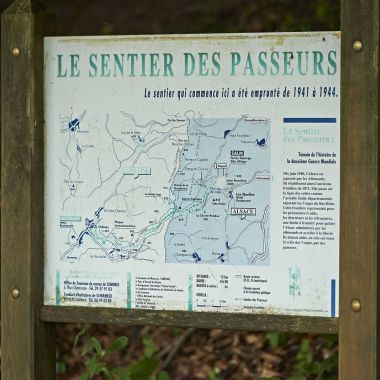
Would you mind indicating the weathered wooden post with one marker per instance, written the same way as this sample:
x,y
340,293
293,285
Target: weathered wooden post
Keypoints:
x,y
28,344
359,341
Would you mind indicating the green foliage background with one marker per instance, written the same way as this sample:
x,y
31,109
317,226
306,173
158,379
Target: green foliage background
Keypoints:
x,y
84,17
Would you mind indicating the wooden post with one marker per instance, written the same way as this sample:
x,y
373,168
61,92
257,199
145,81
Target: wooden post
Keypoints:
x,y
359,261
28,345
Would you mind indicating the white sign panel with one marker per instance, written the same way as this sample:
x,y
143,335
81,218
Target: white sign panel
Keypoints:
x,y
196,172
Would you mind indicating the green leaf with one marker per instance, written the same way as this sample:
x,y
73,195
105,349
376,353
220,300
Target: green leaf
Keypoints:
x,y
150,348
142,368
94,367
77,337
331,340
213,376
120,374
276,339
163,376
327,366
117,345
305,361
315,367
106,371
297,378
85,376
60,367
304,348
91,364
92,344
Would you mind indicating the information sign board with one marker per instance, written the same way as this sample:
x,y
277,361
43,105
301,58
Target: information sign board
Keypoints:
x,y
193,172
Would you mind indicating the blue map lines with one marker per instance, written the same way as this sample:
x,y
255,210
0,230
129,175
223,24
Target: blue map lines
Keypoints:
x,y
184,188
223,184
73,125
226,132
196,257
70,126
261,142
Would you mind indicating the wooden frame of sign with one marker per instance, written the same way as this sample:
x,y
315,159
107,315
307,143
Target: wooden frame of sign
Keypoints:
x,y
28,327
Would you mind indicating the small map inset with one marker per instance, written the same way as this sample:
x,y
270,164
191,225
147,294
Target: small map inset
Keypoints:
x,y
221,192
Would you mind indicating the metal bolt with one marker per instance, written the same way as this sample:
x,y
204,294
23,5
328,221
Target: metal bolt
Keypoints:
x,y
355,305
16,52
15,292
357,45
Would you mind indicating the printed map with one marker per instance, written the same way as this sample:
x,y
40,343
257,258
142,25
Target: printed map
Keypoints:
x,y
182,189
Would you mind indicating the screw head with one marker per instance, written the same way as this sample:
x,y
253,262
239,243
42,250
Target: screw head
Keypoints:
x,y
16,52
357,45
355,305
15,292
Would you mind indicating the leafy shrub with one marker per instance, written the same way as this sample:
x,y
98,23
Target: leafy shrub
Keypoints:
x,y
145,368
